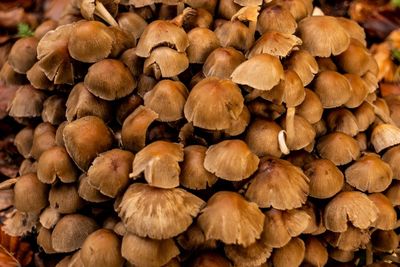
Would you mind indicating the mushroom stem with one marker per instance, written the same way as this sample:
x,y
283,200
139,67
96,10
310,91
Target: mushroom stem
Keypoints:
x,y
103,13
290,123
369,256
282,142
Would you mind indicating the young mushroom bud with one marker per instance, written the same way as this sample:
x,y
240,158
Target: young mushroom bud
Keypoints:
x,y
253,255
292,254
23,54
304,64
27,103
262,138
30,195
384,136
54,109
342,120
222,62
64,198
323,84
23,141
387,216
202,42
43,139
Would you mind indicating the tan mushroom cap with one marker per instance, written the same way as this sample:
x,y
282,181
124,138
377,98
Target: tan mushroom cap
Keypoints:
x,y
22,55
9,77
299,9
234,34
30,195
43,239
49,218
359,90
262,138
349,240
354,30
101,248
231,160
384,241
167,99
160,163
281,226
193,238
156,212
342,120
214,103
292,254
339,148
210,259
392,157
59,134
239,126
278,184
109,79
384,136
323,36
55,163
311,108
387,216
109,172
341,255
161,32
304,133
276,18
365,116
85,138
274,43
90,41
350,207
126,106
146,252
356,59
43,139
65,198
316,253
326,180
323,85
254,255
393,193
54,109
369,173
304,64
253,72
21,108
326,63
134,128
230,218
38,78
222,62
202,42
132,23
23,141
71,231
165,62
88,192
193,174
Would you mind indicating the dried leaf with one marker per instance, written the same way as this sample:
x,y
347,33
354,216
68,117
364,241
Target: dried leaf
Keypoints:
x,y
19,223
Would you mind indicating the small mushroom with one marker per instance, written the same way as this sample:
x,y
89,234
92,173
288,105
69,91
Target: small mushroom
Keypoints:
x,y
23,141
350,240
43,239
276,18
292,254
342,120
341,255
365,116
49,218
262,138
88,192
9,77
387,216
392,157
193,238
316,253
54,109
339,148
222,62
23,54
304,64
299,9
255,254
210,259
202,42
384,136
38,78
359,90
126,106
59,134
227,8
354,29
311,108
30,195
20,108
234,34
326,63
393,193
64,198
300,133
384,241
332,98
131,23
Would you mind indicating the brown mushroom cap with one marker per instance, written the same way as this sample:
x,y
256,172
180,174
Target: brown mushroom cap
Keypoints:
x,y
316,253
23,141
38,78
369,173
326,179
222,62
349,240
392,157
54,109
210,259
9,77
43,239
339,148
158,213
311,108
276,18
109,172
323,36
342,120
341,255
88,192
202,42
384,241
304,133
193,174
353,29
252,72
384,136
193,238
359,90
234,34
49,218
292,254
393,193
323,85
141,251
64,198
165,62
365,116
44,27
160,163
23,54
230,218
231,160
299,9
30,195
387,216
132,23
71,231
326,63
55,163
239,126
161,32
109,79
350,206
167,99
101,248
262,138
43,139
214,103
21,108
278,184
254,255
85,138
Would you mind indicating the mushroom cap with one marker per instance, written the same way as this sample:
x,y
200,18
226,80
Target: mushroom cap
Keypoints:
x,y
165,62
30,195
193,238
231,160
156,212
59,134
88,192
132,61
384,136
90,41
23,141
349,240
22,55
134,128
43,139
222,62
160,32
38,78
281,226
359,90
278,184
132,23
210,259
109,79
126,106
392,157
254,255
393,193
326,180
305,133
341,255
369,173
141,251
44,27
342,120
292,254
276,18
323,85
262,138
193,174
316,253
109,172
311,108
54,109
55,163
160,163
387,216
323,36
21,108
65,198
43,239
339,148
365,116
234,34
9,77
384,241
350,206
299,9
101,248
202,42
252,72
214,103
230,218
71,231
85,138
227,9
239,126
49,218
167,99
304,64
354,29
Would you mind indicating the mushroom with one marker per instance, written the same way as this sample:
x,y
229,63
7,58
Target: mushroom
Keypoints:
x,y
23,141
354,30
126,106
9,77
316,253
30,195
210,259
21,109
332,98
384,241
384,136
364,115
341,255
304,64
88,192
292,254
104,9
221,62
38,78
393,193
49,218
299,9
227,8
230,218
23,54
342,120
299,132
54,110
387,216
64,198
193,238
262,138
202,42
235,33
254,255
276,18
349,240
239,126
311,108
132,23
392,158
278,184
359,90
326,63
43,239
59,134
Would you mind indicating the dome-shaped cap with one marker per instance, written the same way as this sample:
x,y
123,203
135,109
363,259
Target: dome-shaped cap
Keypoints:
x,y
253,255
341,255
278,184
22,55
359,90
30,195
146,252
161,32
252,72
43,239
392,157
311,108
65,198
299,9
339,148
239,126
38,78
210,259
323,85
193,238
304,64
354,29
262,138
49,218
356,59
365,116
384,241
165,62
304,132
323,36
54,109
292,254
21,108
214,103
160,163
43,139
316,253
349,240
44,27
234,34
158,213
132,23
387,216
222,62
342,120
350,207
202,42
230,218
276,18
231,160
384,136
88,192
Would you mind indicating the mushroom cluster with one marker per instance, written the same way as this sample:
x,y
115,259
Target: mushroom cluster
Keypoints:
x,y
203,133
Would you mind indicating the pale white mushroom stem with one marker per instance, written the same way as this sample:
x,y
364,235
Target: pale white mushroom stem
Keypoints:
x,y
282,142
290,112
103,13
